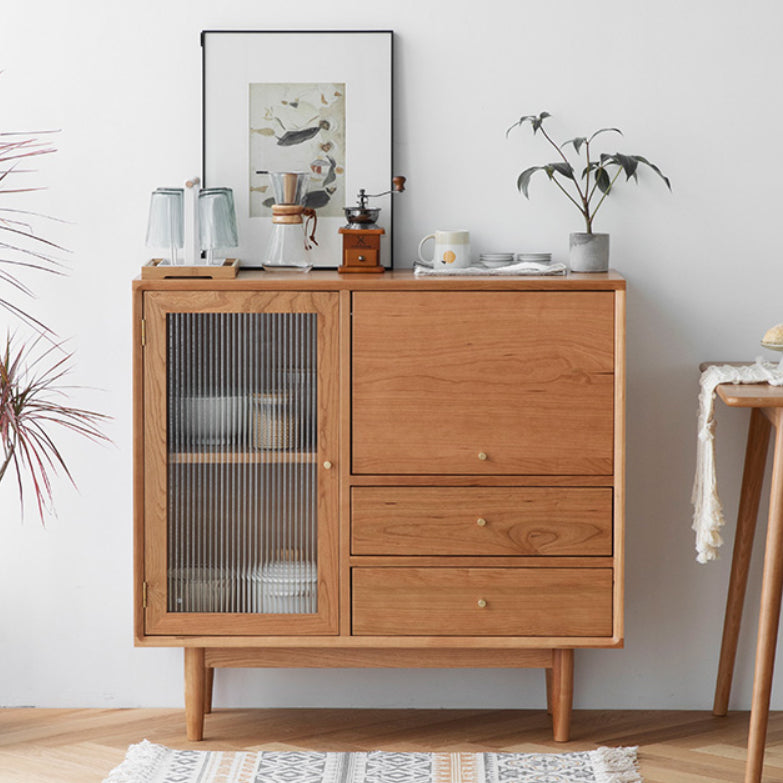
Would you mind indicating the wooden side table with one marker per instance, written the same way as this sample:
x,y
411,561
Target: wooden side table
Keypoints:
x,y
766,404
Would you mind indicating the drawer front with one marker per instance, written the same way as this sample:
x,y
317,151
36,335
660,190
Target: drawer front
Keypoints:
x,y
481,521
394,601
486,383
361,256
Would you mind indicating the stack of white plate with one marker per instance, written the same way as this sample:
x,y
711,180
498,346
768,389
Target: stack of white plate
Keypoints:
x,y
201,590
288,587
538,258
211,421
493,260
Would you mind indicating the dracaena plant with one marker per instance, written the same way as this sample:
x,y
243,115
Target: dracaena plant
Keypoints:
x,y
586,189
34,405
33,408
22,248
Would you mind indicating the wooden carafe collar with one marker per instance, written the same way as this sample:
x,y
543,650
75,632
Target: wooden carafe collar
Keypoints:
x,y
292,214
287,213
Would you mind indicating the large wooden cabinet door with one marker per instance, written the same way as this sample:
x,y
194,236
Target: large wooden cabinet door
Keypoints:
x,y
483,382
240,473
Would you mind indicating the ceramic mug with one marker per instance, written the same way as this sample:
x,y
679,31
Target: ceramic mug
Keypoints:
x,y
452,250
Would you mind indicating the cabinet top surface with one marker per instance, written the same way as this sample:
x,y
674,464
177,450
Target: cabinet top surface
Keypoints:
x,y
404,279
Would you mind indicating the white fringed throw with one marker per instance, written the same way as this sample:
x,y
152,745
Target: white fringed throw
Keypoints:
x,y
707,509
519,268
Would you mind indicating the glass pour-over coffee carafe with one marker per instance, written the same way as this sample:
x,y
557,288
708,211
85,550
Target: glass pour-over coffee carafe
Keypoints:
x,y
289,245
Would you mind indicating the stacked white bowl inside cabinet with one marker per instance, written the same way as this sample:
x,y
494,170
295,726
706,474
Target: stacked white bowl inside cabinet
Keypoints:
x,y
288,587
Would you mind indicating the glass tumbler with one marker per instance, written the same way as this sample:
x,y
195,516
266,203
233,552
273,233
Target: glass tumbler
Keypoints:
x,y
165,224
217,221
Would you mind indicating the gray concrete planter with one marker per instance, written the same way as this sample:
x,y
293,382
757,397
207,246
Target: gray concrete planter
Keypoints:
x,y
589,252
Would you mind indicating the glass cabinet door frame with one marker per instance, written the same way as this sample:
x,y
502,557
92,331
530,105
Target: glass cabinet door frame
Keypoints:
x,y
158,620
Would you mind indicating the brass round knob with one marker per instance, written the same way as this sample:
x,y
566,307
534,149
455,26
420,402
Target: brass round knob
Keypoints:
x,y
362,258
482,456
327,465
481,521
481,603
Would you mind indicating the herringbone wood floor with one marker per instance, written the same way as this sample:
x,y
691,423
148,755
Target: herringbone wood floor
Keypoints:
x,y
81,746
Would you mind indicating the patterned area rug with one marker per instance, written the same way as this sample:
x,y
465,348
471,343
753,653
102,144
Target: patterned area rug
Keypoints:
x,y
148,763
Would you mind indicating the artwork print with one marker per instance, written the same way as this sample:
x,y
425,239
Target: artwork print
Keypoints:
x,y
318,101
298,127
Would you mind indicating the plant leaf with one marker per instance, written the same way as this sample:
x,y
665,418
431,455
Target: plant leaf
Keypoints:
x,y
565,169
646,162
534,120
629,164
521,121
602,180
605,130
577,142
523,181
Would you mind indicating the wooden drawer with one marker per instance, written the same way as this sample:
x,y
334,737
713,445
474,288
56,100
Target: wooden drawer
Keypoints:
x,y
481,521
487,383
360,256
446,601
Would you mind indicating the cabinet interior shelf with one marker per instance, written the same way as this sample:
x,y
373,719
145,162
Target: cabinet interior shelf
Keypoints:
x,y
241,457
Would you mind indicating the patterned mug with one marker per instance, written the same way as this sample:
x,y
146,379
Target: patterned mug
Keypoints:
x,y
452,250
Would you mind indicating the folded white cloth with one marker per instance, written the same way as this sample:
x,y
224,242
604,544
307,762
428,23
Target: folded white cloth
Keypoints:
x,y
707,509
520,268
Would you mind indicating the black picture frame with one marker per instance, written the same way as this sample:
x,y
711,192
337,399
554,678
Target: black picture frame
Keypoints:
x,y
247,71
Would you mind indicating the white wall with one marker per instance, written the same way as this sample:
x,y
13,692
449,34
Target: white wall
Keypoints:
x,y
693,85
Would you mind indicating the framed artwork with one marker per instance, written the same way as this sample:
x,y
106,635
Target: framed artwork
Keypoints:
x,y
315,101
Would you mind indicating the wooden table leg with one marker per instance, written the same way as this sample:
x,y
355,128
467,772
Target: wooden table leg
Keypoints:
x,y
195,680
209,682
562,693
752,480
769,616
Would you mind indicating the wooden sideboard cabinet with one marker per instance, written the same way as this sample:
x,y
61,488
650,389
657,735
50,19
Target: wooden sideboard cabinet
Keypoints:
x,y
379,472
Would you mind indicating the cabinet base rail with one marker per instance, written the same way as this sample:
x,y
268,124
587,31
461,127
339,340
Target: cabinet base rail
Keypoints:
x,y
200,665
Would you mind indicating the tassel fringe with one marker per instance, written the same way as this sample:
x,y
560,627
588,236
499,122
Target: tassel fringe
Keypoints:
x,y
141,764
708,516
615,765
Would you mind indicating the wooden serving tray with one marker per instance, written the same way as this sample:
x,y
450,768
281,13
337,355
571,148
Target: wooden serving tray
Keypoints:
x,y
156,270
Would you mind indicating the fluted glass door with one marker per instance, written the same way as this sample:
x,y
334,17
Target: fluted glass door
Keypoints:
x,y
242,448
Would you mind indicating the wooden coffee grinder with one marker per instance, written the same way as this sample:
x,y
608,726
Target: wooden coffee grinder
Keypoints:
x,y
362,237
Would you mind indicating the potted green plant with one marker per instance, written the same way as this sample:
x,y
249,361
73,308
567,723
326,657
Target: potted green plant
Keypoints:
x,y
587,191
33,395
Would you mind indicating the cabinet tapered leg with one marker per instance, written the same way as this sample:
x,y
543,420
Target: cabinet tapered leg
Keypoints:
x,y
548,673
195,682
752,480
562,693
209,681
